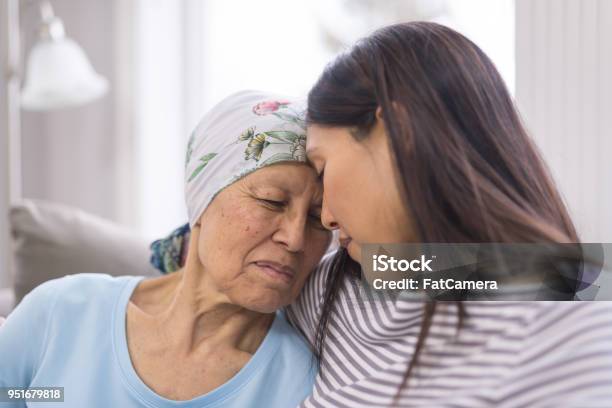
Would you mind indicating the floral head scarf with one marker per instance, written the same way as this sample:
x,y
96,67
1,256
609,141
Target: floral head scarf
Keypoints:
x,y
244,132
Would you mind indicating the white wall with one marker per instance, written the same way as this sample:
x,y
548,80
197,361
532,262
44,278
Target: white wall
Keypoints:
x,y
159,116
564,91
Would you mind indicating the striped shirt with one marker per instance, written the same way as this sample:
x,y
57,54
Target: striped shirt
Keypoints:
x,y
508,354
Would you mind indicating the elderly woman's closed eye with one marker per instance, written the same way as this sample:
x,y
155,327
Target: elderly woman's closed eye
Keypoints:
x,y
213,332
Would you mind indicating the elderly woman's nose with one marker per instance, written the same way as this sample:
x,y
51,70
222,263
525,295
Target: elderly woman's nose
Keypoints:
x,y
292,232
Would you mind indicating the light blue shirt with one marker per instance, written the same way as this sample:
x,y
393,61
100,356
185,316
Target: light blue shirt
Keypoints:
x,y
70,333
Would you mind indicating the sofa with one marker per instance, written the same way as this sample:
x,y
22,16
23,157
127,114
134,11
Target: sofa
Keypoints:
x,y
52,240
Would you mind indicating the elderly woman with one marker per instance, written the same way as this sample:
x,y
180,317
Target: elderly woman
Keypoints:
x,y
211,334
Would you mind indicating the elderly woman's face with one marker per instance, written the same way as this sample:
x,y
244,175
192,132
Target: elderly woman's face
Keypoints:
x,y
262,236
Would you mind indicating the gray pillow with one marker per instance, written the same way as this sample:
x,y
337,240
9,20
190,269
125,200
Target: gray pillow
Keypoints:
x,y
52,240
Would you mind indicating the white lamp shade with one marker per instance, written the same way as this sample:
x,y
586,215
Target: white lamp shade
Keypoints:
x,y
59,75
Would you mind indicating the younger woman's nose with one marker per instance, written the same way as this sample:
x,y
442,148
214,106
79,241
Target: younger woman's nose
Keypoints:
x,y
327,219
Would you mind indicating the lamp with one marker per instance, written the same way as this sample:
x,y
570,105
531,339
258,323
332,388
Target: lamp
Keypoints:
x,y
58,72
59,75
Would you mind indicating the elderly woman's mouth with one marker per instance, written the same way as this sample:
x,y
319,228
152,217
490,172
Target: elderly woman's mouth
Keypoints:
x,y
276,270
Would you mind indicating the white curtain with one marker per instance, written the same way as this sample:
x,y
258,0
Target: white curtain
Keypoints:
x,y
564,89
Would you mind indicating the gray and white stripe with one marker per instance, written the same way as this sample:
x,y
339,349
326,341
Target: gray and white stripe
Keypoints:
x,y
508,354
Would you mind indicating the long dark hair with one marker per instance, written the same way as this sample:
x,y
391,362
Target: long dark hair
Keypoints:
x,y
468,171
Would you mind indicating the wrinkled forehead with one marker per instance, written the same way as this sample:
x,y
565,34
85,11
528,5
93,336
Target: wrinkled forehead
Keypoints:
x,y
295,179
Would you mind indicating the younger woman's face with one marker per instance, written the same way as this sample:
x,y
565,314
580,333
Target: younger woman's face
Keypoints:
x,y
361,197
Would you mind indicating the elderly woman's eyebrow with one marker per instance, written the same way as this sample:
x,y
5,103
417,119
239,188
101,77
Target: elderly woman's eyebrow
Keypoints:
x,y
265,188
